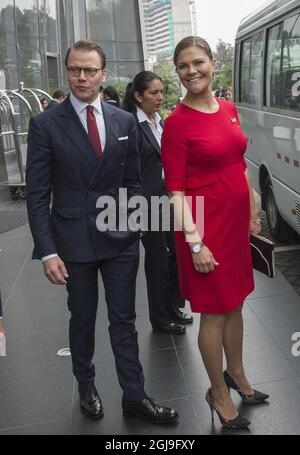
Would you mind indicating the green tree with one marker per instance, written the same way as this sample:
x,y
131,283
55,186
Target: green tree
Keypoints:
x,y
172,91
224,59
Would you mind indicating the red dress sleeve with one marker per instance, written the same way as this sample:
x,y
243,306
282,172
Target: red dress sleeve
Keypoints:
x,y
244,164
174,150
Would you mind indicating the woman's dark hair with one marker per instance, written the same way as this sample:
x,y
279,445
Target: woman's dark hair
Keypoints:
x,y
192,41
140,83
111,94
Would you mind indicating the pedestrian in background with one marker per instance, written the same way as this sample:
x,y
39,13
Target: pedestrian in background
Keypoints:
x,y
143,99
110,95
44,103
228,94
58,97
215,267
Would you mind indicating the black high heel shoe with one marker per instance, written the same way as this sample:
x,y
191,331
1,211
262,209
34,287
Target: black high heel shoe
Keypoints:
x,y
255,398
238,422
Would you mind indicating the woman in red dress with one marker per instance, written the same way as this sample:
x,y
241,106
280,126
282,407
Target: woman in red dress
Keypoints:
x,y
203,150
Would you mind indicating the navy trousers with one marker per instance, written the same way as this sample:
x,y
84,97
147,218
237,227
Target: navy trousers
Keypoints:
x,y
119,279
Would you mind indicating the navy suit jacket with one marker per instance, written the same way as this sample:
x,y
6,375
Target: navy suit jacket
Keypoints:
x,y
151,162
63,169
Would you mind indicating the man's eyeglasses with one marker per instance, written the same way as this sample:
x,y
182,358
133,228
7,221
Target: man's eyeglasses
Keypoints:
x,y
76,72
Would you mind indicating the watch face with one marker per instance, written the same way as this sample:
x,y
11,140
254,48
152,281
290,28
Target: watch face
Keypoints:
x,y
196,248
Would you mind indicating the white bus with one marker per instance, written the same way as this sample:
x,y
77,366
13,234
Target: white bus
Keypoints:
x,y
267,93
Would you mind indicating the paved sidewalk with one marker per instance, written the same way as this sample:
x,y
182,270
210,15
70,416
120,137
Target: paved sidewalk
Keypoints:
x,y
37,391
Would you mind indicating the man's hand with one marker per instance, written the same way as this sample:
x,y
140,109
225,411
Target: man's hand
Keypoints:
x,y
55,271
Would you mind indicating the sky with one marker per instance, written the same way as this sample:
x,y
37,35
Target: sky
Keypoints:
x,y
221,18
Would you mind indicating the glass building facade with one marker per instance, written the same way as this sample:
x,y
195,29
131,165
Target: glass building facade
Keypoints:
x,y
35,35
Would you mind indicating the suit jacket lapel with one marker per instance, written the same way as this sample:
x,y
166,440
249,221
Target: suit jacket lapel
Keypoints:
x,y
110,127
147,131
71,126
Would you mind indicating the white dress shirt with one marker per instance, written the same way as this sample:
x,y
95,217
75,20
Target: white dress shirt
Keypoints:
x,y
80,108
157,131
81,111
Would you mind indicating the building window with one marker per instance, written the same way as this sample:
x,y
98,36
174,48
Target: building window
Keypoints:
x,y
30,64
49,25
119,35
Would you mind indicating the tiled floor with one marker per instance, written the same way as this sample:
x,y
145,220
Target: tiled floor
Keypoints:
x,y
37,391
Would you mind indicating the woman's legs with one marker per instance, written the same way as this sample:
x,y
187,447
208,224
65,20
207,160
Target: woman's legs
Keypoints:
x,y
210,342
233,348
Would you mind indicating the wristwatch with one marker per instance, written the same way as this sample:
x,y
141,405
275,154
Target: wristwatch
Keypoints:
x,y
196,248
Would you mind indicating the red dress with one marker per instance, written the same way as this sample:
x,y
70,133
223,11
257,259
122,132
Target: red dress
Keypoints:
x,y
203,155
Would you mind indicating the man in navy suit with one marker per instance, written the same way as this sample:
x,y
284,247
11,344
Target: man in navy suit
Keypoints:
x,y
78,151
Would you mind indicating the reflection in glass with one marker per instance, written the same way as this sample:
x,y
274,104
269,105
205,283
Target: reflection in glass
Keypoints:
x,y
119,35
66,30
48,15
291,63
256,69
8,46
245,71
273,89
283,65
252,70
30,65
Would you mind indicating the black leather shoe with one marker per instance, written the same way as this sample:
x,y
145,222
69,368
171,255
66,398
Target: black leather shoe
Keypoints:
x,y
90,403
170,328
181,317
147,409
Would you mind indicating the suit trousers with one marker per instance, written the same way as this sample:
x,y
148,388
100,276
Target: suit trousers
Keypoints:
x,y
161,275
119,279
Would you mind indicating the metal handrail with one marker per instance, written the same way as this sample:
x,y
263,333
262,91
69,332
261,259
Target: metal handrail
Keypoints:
x,y
32,92
15,92
12,113
10,117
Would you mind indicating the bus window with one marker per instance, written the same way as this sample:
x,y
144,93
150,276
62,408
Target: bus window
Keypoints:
x,y
245,72
274,62
252,70
283,65
291,63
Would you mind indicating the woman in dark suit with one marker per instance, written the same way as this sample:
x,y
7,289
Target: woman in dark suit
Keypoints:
x,y
143,98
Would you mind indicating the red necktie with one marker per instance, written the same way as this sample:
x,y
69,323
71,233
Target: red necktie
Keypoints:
x,y
93,131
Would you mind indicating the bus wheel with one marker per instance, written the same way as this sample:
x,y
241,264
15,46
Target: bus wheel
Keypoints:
x,y
279,229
